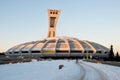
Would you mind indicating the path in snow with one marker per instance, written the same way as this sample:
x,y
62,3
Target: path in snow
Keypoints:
x,y
110,72
92,71
83,71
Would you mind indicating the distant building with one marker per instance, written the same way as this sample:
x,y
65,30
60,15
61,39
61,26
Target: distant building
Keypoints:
x,y
53,46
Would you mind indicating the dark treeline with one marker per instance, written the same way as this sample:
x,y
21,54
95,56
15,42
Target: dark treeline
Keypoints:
x,y
112,56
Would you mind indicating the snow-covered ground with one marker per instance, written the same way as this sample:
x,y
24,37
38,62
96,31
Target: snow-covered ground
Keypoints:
x,y
109,72
49,70
43,70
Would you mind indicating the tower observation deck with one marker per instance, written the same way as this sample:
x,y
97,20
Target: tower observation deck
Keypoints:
x,y
52,22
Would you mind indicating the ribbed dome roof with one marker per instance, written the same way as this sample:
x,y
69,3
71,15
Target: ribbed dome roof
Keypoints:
x,y
58,45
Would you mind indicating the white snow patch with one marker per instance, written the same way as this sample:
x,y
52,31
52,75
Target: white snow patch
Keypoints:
x,y
110,72
49,70
43,70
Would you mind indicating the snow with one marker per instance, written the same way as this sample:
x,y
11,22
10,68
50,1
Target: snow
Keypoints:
x,y
49,70
110,72
43,70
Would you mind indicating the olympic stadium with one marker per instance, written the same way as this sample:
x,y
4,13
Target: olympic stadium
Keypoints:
x,y
53,46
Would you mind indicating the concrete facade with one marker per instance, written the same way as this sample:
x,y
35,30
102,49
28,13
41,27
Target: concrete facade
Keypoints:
x,y
52,22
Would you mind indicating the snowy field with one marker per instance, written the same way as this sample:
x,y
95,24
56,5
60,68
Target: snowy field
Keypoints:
x,y
49,70
44,70
107,71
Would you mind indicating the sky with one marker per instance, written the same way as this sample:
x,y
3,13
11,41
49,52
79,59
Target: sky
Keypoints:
x,y
27,20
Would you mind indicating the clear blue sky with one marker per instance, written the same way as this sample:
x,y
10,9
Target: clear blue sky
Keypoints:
x,y
27,20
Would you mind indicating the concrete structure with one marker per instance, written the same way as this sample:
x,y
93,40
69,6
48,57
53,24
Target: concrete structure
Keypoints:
x,y
52,20
53,46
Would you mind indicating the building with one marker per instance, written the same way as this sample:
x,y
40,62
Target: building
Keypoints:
x,y
53,46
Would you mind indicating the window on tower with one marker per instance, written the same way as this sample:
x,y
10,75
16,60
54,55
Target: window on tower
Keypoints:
x,y
52,21
50,12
